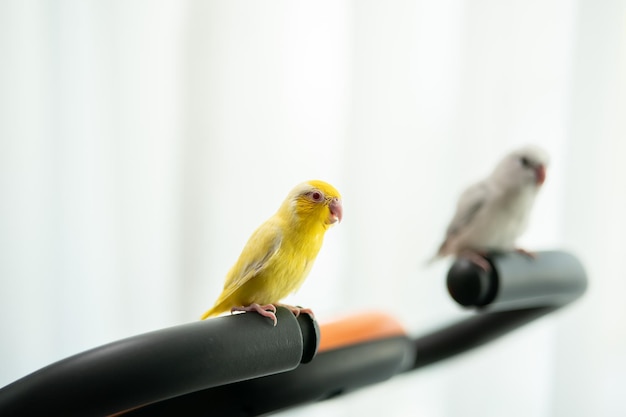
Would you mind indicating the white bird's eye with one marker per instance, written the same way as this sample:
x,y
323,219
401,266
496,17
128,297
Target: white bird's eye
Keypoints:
x,y
524,161
316,196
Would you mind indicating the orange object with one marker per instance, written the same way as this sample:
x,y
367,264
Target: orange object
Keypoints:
x,y
358,328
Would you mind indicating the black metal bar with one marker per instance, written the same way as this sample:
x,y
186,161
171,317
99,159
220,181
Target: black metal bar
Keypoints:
x,y
330,374
517,281
163,364
470,333
516,290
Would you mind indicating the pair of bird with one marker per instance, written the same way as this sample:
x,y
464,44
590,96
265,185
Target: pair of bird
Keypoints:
x,y
490,215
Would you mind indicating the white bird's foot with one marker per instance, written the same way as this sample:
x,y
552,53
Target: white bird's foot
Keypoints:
x,y
531,255
298,310
477,259
267,310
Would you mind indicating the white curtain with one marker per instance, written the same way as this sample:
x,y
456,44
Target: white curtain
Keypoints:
x,y
142,141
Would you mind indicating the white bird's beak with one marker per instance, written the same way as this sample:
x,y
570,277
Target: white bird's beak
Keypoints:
x,y
540,173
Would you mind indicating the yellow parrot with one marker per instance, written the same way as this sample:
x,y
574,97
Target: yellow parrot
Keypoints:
x,y
280,253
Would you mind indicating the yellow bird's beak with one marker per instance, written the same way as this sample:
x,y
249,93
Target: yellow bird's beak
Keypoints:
x,y
336,211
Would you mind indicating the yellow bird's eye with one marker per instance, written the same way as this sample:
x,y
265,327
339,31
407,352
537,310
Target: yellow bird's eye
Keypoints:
x,y
316,196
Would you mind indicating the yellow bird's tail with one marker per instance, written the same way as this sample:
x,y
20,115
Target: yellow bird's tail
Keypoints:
x,y
218,308
207,314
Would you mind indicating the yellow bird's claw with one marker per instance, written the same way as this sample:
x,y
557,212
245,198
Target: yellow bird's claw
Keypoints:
x,y
297,310
268,310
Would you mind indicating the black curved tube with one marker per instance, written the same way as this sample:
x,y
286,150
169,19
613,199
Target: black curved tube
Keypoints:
x,y
471,333
330,374
163,364
517,290
516,281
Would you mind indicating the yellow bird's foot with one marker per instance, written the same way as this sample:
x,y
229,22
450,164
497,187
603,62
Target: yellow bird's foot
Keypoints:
x,y
267,310
477,259
297,310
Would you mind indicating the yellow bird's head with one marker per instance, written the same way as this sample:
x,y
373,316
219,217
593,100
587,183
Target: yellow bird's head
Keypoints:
x,y
314,201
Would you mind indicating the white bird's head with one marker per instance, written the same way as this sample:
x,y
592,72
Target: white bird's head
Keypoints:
x,y
524,167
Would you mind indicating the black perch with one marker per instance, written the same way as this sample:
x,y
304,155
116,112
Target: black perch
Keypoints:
x,y
163,364
232,366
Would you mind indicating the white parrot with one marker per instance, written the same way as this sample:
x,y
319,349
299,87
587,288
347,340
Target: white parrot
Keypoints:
x,y
493,213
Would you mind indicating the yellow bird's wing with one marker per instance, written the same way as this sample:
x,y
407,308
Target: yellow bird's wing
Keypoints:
x,y
262,247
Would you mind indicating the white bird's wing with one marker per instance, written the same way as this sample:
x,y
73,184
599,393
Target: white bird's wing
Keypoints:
x,y
470,203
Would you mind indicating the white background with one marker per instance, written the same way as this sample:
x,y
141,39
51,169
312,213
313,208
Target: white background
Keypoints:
x,y
141,142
